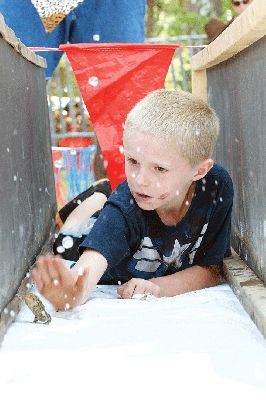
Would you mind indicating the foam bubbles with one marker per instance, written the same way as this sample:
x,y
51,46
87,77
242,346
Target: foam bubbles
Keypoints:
x,y
93,81
58,164
60,249
67,242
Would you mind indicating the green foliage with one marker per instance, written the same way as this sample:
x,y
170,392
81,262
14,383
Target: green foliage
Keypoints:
x,y
170,18
226,10
174,18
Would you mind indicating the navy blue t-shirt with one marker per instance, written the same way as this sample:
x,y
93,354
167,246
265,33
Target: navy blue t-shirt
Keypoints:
x,y
136,243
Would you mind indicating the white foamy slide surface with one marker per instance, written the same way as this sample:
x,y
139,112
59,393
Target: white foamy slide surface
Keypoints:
x,y
198,345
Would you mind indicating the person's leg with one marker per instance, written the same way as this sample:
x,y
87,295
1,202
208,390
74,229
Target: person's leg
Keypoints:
x,y
102,187
85,210
79,216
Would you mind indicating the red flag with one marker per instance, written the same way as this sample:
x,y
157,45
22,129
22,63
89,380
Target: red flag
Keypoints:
x,y
112,78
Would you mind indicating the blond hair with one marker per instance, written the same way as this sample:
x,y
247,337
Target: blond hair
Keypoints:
x,y
179,117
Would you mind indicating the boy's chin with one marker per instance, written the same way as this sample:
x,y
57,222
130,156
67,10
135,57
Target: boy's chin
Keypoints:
x,y
147,206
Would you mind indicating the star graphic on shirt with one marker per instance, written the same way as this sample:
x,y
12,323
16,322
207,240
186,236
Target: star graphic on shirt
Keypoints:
x,y
150,260
175,258
148,256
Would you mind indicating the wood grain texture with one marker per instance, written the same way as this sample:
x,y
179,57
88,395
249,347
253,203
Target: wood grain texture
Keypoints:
x,y
249,27
249,289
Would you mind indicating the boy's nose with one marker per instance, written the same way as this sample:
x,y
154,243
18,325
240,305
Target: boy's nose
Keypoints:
x,y
142,178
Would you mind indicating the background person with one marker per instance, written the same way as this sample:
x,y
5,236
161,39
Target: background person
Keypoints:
x,y
215,26
92,21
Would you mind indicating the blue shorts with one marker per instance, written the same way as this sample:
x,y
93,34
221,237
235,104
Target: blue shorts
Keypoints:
x,y
112,20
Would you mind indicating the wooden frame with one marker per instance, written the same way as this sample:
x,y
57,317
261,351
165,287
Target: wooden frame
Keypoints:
x,y
9,35
246,29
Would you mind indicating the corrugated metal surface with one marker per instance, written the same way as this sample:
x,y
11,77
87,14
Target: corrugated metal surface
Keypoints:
x,y
27,194
237,91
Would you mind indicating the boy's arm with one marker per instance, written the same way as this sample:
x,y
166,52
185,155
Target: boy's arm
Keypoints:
x,y
68,288
188,280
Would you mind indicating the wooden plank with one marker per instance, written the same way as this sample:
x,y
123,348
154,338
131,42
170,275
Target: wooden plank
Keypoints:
x,y
249,27
249,289
199,84
9,35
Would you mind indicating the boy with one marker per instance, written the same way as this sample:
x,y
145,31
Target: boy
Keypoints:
x,y
166,229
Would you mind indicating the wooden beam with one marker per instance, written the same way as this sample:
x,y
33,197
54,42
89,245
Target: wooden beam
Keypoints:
x,y
249,289
9,35
248,28
199,84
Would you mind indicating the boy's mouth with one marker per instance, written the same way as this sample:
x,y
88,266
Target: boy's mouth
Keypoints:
x,y
142,196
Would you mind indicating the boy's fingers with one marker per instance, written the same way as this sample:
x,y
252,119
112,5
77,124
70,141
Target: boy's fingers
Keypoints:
x,y
129,290
120,290
42,267
52,270
36,278
64,275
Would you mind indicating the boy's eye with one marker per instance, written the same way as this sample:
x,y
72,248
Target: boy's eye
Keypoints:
x,y
161,169
132,161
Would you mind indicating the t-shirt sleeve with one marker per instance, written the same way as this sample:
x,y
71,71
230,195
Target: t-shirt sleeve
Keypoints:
x,y
112,235
215,244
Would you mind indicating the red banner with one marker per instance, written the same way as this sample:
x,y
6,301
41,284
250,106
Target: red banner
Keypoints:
x,y
112,78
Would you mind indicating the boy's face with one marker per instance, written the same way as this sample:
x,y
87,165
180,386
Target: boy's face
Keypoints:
x,y
157,176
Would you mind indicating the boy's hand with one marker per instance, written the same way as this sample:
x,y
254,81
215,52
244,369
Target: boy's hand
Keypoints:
x,y
63,288
138,286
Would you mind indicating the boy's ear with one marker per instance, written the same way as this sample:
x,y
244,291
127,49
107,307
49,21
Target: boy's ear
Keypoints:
x,y
202,169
